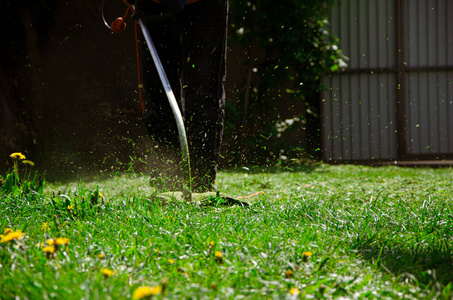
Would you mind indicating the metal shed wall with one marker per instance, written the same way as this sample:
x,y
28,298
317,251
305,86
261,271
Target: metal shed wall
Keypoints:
x,y
428,85
391,104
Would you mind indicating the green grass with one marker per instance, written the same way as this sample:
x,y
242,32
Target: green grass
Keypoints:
x,y
373,233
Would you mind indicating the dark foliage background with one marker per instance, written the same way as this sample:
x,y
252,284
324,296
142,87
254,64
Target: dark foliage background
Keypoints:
x,y
288,47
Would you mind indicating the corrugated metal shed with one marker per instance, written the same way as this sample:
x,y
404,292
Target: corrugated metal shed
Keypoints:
x,y
395,100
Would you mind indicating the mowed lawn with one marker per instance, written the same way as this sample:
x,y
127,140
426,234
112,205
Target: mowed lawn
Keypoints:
x,y
317,232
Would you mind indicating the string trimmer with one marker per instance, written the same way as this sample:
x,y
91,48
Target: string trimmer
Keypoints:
x,y
118,26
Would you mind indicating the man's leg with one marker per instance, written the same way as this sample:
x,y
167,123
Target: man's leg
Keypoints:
x,y
159,119
203,45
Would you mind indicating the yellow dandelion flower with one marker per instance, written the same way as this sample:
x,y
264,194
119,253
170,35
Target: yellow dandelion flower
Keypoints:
x,y
61,241
107,272
100,195
14,235
57,241
101,256
218,257
211,244
171,261
17,155
146,291
28,162
70,206
49,249
307,254
294,291
288,273
45,227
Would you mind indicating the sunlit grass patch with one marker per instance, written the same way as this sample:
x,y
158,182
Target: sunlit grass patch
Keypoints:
x,y
326,232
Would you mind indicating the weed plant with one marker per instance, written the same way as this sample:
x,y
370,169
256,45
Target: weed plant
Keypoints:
x,y
323,232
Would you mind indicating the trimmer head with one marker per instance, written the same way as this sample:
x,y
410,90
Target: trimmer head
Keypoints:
x,y
202,199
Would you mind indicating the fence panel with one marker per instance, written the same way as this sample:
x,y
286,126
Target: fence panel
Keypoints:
x,y
428,84
360,106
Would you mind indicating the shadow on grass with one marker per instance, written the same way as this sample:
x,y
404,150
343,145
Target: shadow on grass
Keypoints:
x,y
428,267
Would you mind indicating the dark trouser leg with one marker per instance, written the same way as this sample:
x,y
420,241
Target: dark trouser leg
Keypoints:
x,y
203,46
159,118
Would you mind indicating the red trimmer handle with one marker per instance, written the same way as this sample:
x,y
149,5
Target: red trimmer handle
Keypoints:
x,y
118,26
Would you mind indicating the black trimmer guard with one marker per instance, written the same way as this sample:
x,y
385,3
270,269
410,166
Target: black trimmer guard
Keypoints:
x,y
202,199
